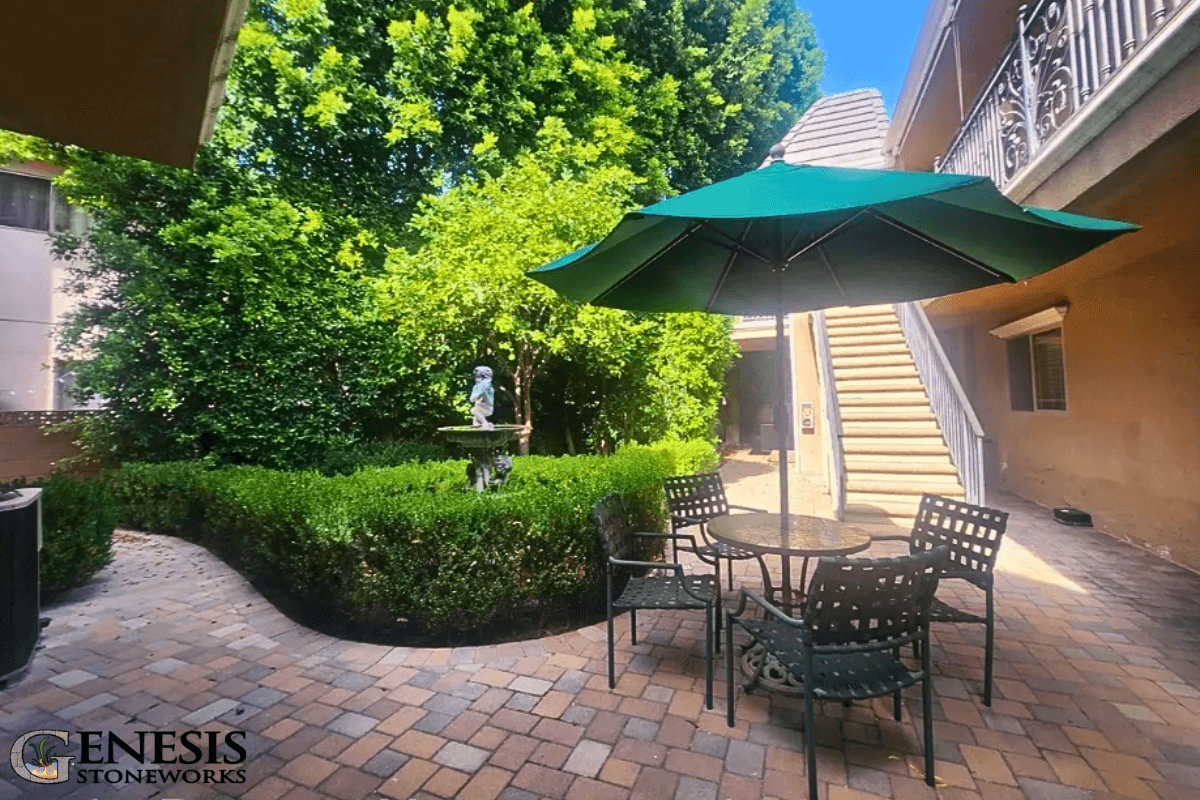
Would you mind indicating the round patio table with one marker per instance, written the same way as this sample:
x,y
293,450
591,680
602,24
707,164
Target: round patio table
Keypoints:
x,y
805,537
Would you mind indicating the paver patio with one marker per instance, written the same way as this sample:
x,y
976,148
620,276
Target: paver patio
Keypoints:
x,y
1097,694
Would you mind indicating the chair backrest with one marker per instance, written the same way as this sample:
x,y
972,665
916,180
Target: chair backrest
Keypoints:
x,y
972,534
857,601
700,497
616,539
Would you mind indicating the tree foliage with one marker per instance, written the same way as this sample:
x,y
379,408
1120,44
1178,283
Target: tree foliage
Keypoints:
x,y
234,310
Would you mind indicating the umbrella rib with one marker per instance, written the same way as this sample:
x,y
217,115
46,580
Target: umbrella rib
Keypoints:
x,y
728,266
688,231
825,257
929,240
829,234
734,244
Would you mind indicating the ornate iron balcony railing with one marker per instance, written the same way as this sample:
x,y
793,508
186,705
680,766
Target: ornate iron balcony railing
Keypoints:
x,y
1063,53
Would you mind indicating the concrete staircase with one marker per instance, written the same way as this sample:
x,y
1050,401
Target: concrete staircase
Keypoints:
x,y
894,450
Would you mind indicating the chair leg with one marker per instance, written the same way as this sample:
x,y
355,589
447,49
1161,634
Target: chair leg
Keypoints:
x,y
612,670
730,688
633,626
810,743
896,694
989,647
717,620
708,656
730,574
927,713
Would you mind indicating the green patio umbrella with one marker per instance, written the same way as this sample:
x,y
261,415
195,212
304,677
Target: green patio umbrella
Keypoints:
x,y
789,238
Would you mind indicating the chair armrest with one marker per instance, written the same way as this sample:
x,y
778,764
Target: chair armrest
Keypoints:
x,y
685,522
667,565
766,606
687,537
749,508
891,538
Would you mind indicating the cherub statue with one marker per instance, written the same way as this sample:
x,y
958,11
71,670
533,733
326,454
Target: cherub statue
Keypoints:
x,y
483,396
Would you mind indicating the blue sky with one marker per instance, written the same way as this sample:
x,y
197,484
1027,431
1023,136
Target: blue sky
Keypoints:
x,y
867,43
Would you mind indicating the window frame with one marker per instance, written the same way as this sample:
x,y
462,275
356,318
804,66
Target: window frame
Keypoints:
x,y
1027,399
1033,366
52,201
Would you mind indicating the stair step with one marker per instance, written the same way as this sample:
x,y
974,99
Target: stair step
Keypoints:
x,y
879,522
879,446
857,311
878,414
873,360
889,504
861,321
871,464
880,387
886,349
894,398
856,485
895,337
885,429
859,373
842,333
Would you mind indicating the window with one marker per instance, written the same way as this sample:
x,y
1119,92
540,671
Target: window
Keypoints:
x,y
32,203
65,397
1036,377
24,202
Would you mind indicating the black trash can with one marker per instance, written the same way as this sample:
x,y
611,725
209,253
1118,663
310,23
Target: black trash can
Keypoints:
x,y
20,550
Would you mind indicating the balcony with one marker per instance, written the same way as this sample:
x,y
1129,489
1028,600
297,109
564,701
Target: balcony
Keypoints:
x,y
1066,61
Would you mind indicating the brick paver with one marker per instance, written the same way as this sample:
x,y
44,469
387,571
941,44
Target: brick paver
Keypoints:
x,y
1097,692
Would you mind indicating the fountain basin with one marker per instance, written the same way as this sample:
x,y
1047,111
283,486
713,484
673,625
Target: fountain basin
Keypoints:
x,y
488,467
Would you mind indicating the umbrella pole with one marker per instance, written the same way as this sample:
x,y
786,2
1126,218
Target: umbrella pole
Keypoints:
x,y
781,439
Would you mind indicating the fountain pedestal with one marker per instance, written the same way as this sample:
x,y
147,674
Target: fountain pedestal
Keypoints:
x,y
489,464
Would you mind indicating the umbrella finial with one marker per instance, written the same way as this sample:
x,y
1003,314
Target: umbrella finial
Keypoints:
x,y
776,153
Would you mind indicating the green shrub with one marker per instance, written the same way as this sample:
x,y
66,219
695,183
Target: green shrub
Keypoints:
x,y
351,459
78,518
411,542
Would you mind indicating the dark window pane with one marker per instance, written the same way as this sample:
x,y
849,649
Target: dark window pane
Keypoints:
x,y
1020,379
24,202
1049,375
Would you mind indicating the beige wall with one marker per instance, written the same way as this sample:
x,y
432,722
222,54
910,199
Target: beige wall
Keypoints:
x,y
1127,449
810,453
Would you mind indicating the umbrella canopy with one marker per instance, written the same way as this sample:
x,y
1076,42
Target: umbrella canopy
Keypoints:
x,y
836,236
789,238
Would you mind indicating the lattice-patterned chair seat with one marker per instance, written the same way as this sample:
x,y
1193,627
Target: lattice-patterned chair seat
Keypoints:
x,y
843,676
846,646
666,592
942,612
637,584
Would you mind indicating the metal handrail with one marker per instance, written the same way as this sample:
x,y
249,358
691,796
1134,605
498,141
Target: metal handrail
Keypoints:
x,y
832,414
960,427
1062,54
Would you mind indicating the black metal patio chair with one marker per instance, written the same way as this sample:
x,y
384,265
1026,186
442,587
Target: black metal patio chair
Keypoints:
x,y
972,534
630,586
692,501
846,646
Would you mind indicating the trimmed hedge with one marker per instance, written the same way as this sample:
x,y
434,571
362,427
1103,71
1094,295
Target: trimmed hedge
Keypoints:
x,y
410,543
78,519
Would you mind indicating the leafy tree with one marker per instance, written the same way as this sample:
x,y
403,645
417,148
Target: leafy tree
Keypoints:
x,y
464,291
226,322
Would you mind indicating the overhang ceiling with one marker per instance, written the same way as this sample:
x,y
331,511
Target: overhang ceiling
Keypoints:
x,y
143,78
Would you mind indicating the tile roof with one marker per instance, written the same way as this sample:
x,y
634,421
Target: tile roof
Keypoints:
x,y
844,130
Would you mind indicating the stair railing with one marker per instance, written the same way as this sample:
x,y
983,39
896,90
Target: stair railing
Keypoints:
x,y
956,418
832,414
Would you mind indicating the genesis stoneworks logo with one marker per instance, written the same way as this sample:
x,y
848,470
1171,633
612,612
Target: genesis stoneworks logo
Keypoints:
x,y
190,757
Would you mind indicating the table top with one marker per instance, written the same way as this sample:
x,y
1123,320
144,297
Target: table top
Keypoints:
x,y
806,536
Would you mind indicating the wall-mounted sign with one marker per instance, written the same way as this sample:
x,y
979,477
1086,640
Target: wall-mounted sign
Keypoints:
x,y
807,421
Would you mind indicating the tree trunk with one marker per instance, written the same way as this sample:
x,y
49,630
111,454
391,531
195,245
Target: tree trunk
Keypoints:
x,y
523,401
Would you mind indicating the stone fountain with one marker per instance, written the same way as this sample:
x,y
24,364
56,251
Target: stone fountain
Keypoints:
x,y
483,440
